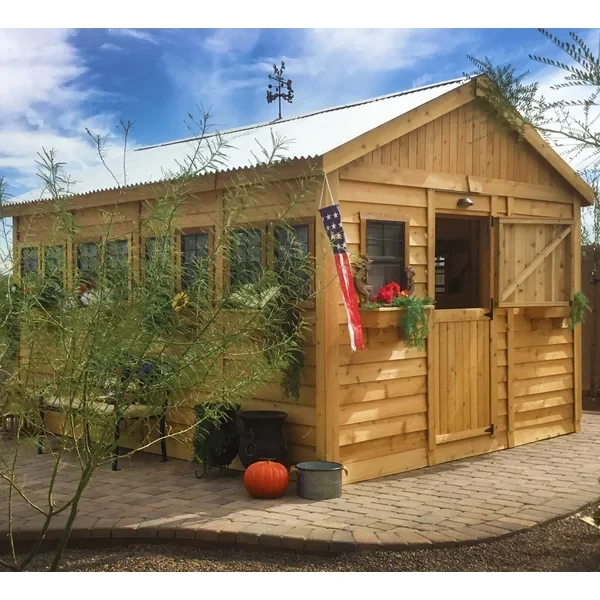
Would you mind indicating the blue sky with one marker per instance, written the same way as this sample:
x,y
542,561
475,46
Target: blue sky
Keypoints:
x,y
58,82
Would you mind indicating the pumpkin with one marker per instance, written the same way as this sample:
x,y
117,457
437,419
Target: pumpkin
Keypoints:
x,y
266,479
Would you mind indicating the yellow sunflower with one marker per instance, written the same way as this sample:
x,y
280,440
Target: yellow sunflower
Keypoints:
x,y
180,301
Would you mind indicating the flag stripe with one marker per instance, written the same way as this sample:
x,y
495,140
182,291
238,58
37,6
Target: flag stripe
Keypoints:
x,y
332,221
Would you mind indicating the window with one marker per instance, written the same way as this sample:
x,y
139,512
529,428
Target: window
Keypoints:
x,y
245,259
54,263
29,260
194,249
291,252
117,254
386,243
87,260
117,260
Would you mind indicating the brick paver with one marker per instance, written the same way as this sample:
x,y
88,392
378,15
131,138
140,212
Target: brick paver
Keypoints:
x,y
464,501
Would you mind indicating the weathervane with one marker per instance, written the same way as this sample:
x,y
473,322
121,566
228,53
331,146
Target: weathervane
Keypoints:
x,y
281,84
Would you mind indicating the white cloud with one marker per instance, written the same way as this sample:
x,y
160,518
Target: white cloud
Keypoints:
x,y
44,104
112,47
231,42
36,66
136,34
327,66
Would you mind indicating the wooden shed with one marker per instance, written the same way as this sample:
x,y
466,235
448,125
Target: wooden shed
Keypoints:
x,y
500,368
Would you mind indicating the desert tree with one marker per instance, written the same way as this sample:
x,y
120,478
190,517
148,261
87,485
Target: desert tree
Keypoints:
x,y
122,338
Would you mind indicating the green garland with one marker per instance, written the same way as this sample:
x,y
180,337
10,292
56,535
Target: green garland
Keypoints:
x,y
580,305
415,322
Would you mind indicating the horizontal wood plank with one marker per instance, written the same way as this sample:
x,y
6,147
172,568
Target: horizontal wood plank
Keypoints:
x,y
382,409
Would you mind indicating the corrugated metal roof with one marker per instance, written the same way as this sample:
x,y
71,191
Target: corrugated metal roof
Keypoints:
x,y
306,136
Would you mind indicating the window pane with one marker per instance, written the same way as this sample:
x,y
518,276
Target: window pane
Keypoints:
x,y
194,249
385,248
374,248
117,264
392,248
291,252
87,260
377,277
29,260
116,252
245,257
54,260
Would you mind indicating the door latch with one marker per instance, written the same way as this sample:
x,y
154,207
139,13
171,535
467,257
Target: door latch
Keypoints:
x,y
491,313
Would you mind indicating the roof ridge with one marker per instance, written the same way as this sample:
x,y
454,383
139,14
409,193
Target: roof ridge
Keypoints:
x,y
306,115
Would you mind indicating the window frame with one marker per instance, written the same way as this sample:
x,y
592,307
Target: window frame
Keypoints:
x,y
65,274
24,246
76,269
178,253
272,226
265,248
101,242
404,218
128,239
143,252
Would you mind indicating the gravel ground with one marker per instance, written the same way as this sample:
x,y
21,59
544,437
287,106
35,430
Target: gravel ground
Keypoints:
x,y
565,545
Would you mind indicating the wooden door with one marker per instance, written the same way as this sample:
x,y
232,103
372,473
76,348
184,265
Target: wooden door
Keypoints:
x,y
462,367
534,262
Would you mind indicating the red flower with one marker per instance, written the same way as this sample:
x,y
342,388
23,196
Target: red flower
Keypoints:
x,y
395,288
385,295
388,292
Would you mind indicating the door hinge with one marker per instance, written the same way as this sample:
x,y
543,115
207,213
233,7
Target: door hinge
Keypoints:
x,y
492,220
491,313
490,429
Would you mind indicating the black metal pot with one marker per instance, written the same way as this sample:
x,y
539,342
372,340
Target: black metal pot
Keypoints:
x,y
261,436
222,438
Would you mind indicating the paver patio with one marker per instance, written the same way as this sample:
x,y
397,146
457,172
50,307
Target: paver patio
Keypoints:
x,y
464,501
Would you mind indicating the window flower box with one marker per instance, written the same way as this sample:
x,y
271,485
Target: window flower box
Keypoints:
x,y
381,318
411,320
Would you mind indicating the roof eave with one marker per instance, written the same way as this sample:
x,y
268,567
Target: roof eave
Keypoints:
x,y
288,169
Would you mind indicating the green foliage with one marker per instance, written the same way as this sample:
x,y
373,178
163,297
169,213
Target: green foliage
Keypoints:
x,y
586,73
414,321
216,433
581,305
10,300
148,338
513,103
277,296
293,332
566,122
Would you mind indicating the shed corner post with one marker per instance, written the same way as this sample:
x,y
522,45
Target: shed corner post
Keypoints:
x,y
327,337
15,248
577,333
432,364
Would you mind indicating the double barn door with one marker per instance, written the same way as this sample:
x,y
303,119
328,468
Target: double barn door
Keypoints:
x,y
531,261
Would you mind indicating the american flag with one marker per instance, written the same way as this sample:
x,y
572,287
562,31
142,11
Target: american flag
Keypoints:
x,y
332,221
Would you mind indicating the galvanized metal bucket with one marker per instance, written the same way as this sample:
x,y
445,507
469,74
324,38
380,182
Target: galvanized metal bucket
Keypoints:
x,y
319,479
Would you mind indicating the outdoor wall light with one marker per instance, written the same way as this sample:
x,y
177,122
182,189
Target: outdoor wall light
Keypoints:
x,y
464,203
